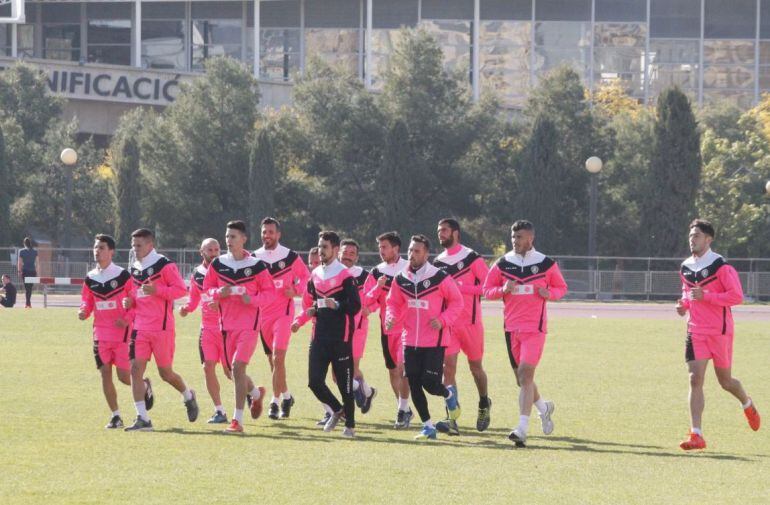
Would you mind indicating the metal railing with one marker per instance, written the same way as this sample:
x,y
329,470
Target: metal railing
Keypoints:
x,y
603,278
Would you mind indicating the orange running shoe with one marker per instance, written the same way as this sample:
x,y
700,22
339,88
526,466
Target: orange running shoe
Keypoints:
x,y
256,405
695,441
235,427
752,416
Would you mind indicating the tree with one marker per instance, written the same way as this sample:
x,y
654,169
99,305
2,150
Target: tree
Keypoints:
x,y
25,96
261,179
394,181
127,185
5,195
674,176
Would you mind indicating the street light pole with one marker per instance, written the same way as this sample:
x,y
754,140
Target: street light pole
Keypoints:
x,y
594,166
68,157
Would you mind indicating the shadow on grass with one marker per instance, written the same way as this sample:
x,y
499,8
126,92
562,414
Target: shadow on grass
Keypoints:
x,y
381,433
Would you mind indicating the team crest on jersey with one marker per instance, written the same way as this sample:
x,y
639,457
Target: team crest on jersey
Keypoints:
x,y
704,272
460,265
150,271
426,284
281,264
113,284
247,272
535,269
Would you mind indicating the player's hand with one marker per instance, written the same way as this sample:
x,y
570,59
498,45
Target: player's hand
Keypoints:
x,y
382,281
213,305
680,308
149,289
289,292
183,311
224,291
246,299
127,303
365,311
121,323
82,315
436,323
294,327
228,373
697,293
331,303
390,323
509,286
311,312
543,292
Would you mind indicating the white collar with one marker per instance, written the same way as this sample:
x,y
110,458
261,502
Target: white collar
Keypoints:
x,y
391,269
102,276
424,272
531,257
202,269
355,270
328,271
272,255
151,258
696,263
229,260
451,259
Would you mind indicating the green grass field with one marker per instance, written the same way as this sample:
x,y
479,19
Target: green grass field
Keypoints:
x,y
620,389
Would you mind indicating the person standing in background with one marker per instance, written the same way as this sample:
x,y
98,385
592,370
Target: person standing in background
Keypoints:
x,y
27,266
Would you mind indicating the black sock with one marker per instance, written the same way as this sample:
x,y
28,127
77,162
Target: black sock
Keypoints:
x,y
483,402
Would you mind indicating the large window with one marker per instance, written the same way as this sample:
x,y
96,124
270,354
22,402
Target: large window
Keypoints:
x,y
109,33
619,50
728,70
279,41
216,31
676,19
61,31
333,32
164,35
450,22
674,63
387,19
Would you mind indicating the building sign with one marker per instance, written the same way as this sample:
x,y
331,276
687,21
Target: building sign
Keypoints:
x,y
108,83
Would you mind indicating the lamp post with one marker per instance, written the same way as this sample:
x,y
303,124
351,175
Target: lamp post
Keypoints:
x,y
68,157
594,166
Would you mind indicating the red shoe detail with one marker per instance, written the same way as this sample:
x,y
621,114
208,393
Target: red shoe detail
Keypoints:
x,y
695,441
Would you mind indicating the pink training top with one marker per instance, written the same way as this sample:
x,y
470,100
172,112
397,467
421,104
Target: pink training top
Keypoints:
x,y
376,296
469,270
362,278
524,309
199,296
721,290
248,276
102,295
155,312
415,298
335,321
287,270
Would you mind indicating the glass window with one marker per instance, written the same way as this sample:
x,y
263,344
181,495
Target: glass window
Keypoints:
x,y
109,33
735,19
621,10
332,14
764,19
563,42
216,31
675,18
454,38
163,35
336,46
279,39
5,39
519,10
674,62
447,9
504,59
563,10
61,31
394,14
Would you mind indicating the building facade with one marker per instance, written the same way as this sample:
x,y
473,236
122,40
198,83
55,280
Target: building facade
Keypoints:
x,y
712,49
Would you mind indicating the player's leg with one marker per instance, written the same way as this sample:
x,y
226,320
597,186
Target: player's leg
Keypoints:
x,y
697,372
319,360
342,365
721,347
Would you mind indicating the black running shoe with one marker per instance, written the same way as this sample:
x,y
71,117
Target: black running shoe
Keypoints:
x,y
274,411
149,398
286,406
368,402
218,418
403,419
322,422
448,426
140,425
192,407
484,417
115,422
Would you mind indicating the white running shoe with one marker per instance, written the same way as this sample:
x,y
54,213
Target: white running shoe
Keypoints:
x,y
545,418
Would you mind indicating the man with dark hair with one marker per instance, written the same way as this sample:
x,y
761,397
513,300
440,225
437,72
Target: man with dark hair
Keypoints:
x,y
27,265
389,245
155,285
332,300
469,270
104,289
526,279
240,286
710,288
7,293
290,277
426,302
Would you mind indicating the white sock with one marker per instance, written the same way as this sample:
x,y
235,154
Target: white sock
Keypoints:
x,y
327,409
367,388
523,424
238,416
275,400
141,410
403,404
697,431
429,424
219,409
286,395
541,406
747,404
187,394
356,385
116,413
255,393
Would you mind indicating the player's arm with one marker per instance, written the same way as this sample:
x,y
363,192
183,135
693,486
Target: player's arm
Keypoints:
x,y
351,302
194,301
86,303
479,269
265,289
301,274
308,301
394,306
494,284
172,286
454,302
733,293
557,287
369,304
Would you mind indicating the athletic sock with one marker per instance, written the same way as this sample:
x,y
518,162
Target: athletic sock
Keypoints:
x,y
187,394
367,388
356,384
116,413
141,410
286,395
483,402
255,393
275,400
238,416
747,404
328,409
697,431
524,424
541,406
403,404
429,424
219,409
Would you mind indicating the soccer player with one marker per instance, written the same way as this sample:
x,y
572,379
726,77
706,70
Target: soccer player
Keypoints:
x,y
426,302
389,245
289,276
332,300
156,283
363,393
211,343
526,279
104,289
469,270
710,287
240,286
313,259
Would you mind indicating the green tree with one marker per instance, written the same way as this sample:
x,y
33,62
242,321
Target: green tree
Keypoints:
x,y
25,96
674,176
394,181
261,179
127,185
5,195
